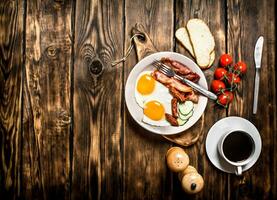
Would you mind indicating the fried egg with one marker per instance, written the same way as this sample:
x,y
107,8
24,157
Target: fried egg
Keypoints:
x,y
154,112
154,98
148,88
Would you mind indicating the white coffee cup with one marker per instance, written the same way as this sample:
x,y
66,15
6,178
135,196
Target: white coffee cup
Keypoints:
x,y
237,148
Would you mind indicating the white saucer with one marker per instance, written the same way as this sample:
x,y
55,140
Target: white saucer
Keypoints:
x,y
226,125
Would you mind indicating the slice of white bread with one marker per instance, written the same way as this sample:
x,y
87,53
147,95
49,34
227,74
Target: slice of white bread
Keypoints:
x,y
183,37
202,41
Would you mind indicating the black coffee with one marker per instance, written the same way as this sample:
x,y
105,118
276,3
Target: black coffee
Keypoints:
x,y
237,146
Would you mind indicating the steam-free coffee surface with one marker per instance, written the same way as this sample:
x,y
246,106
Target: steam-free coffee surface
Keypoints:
x,y
237,146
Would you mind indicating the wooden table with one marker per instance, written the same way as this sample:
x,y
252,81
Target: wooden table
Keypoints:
x,y
65,131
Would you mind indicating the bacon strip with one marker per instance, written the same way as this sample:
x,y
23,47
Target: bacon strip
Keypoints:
x,y
178,95
174,107
192,77
176,66
193,97
181,69
170,82
171,119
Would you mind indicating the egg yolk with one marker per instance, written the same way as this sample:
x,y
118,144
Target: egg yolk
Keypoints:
x,y
154,110
146,84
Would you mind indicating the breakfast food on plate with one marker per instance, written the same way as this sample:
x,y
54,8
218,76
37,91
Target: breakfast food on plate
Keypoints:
x,y
153,97
197,38
190,96
174,107
178,161
148,88
154,111
181,69
171,82
165,100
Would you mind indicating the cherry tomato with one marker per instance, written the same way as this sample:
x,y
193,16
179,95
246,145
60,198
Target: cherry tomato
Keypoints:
x,y
233,78
220,73
240,67
225,60
217,86
225,98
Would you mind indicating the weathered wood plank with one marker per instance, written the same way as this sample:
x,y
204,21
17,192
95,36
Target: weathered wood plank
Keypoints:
x,y
47,118
11,61
97,146
215,180
145,173
247,21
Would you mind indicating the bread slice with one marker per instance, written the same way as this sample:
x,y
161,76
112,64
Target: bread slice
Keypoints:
x,y
183,37
202,41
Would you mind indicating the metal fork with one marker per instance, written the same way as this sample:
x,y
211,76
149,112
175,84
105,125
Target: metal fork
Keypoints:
x,y
166,70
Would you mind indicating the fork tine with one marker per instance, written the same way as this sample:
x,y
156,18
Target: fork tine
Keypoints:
x,y
159,62
156,65
164,71
161,68
164,68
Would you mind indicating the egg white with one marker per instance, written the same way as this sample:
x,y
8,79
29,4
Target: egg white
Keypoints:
x,y
167,107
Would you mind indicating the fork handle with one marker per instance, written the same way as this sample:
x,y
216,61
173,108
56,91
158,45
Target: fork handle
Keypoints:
x,y
197,88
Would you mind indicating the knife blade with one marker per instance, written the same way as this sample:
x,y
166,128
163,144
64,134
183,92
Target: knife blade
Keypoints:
x,y
258,58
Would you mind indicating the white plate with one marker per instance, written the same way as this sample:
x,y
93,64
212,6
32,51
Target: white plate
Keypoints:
x,y
226,125
137,112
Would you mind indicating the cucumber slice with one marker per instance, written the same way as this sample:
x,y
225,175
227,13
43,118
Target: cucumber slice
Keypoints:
x,y
181,122
185,117
186,107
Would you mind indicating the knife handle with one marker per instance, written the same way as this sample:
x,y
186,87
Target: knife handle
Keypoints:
x,y
256,91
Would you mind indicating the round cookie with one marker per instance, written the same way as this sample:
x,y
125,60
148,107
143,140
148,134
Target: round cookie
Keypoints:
x,y
177,159
192,183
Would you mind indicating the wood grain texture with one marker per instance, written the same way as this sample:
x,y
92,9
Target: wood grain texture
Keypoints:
x,y
65,132
143,43
244,17
215,19
145,173
11,60
97,146
47,115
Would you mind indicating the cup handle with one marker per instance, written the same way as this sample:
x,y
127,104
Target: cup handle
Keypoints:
x,y
238,170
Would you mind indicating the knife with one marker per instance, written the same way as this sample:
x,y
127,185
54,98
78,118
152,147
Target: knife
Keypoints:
x,y
258,58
